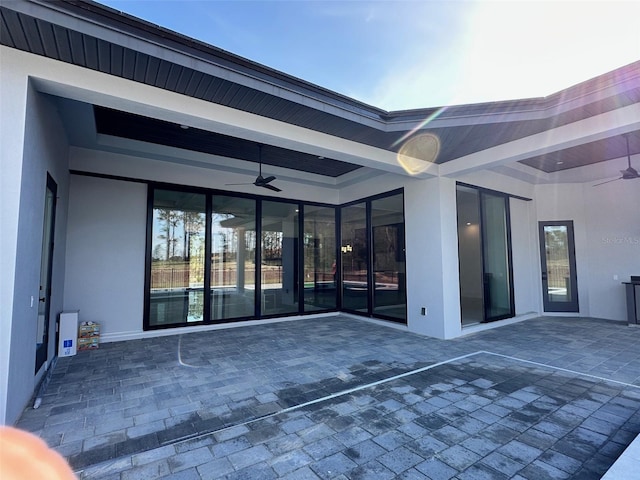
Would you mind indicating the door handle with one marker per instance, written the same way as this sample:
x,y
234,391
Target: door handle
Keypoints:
x,y
544,276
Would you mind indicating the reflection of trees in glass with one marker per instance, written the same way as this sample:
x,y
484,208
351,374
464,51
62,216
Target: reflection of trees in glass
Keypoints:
x,y
555,241
169,221
193,227
181,233
271,246
557,256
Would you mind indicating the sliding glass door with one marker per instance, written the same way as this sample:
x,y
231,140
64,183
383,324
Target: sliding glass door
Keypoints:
x,y
355,258
233,247
387,224
216,257
496,250
279,258
484,254
176,293
373,257
320,266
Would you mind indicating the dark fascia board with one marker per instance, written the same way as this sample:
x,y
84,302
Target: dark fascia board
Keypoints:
x,y
608,84
128,24
404,120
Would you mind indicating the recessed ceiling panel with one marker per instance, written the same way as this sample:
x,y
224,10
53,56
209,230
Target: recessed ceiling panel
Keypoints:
x,y
144,129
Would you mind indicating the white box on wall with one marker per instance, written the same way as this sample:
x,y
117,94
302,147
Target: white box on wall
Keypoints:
x,y
68,343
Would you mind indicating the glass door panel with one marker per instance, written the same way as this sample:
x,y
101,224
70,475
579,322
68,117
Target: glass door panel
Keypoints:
x,y
279,254
355,260
389,294
486,286
46,264
177,258
233,247
470,255
497,281
559,285
320,273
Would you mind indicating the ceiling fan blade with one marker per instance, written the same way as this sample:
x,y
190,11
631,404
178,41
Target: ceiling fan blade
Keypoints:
x,y
269,179
608,181
270,187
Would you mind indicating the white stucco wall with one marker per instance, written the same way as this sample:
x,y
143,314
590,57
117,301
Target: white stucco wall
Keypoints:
x,y
613,243
13,104
131,167
45,150
106,253
607,239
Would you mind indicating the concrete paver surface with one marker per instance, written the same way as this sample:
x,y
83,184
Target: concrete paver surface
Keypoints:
x,y
338,397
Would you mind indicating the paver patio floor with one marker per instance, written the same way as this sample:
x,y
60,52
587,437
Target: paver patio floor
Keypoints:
x,y
337,397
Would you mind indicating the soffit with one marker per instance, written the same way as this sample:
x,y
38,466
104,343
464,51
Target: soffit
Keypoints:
x,y
462,130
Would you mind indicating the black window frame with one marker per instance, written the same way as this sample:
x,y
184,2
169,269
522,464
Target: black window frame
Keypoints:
x,y
506,196
370,253
209,194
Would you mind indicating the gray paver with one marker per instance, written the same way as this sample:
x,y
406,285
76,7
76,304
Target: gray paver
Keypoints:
x,y
484,416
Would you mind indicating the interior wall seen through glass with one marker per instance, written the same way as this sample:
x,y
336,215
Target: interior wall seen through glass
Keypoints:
x,y
486,289
233,248
355,261
279,252
470,255
387,223
177,258
319,243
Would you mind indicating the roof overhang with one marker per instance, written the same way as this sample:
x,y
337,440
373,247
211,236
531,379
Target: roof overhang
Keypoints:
x,y
537,139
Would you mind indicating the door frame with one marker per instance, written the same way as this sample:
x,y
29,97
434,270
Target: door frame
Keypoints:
x,y
42,350
549,306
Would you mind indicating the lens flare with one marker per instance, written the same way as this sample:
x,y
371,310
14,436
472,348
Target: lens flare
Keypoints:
x,y
420,126
418,153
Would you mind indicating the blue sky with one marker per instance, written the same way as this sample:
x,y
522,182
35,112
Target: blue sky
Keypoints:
x,y
412,54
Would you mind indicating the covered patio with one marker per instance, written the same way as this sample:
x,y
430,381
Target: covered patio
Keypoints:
x,y
343,397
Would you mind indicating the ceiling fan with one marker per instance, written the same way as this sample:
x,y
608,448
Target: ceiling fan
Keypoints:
x,y
261,181
627,174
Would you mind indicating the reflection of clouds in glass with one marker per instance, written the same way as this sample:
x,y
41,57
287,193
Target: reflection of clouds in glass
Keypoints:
x,y
417,153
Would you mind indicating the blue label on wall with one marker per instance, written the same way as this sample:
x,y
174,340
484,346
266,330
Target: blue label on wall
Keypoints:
x,y
68,343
